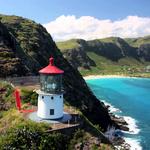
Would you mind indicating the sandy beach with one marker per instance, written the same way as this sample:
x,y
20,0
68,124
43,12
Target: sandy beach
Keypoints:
x,y
105,76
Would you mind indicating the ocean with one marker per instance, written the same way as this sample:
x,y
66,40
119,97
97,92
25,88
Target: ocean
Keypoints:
x,y
130,98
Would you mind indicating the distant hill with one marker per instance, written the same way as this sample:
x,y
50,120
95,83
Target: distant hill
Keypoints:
x,y
74,51
137,42
25,47
107,56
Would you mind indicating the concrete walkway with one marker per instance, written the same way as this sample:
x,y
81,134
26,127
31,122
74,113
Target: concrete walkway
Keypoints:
x,y
33,116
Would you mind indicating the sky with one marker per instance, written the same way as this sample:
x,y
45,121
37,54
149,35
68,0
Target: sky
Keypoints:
x,y
87,19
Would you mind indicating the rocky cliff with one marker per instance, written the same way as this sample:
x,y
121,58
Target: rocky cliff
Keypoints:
x,y
144,52
114,50
10,63
75,53
30,46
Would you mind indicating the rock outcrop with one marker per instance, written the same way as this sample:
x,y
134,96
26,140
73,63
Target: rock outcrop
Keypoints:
x,y
76,54
144,52
10,63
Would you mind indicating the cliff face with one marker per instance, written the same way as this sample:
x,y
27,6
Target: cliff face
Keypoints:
x,y
31,42
144,52
10,63
32,46
76,54
113,49
108,50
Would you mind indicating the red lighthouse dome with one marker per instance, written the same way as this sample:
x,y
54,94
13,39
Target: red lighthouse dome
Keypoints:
x,y
51,68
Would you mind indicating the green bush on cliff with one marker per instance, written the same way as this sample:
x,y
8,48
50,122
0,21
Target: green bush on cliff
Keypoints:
x,y
7,100
26,135
78,137
30,135
55,141
28,96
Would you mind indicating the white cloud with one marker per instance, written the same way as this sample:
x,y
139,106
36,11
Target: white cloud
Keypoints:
x,y
87,27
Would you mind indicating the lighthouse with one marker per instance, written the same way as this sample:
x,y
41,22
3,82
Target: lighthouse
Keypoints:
x,y
50,95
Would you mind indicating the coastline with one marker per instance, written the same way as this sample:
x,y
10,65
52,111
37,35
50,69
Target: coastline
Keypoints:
x,y
127,124
129,127
89,77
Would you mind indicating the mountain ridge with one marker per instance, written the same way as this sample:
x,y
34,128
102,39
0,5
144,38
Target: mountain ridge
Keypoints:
x,y
114,49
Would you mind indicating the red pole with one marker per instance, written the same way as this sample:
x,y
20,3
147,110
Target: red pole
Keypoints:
x,y
18,100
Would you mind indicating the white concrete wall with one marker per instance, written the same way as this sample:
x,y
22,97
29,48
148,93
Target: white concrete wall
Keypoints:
x,y
46,103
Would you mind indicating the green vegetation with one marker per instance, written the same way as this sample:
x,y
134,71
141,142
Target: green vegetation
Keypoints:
x,y
111,55
70,44
28,96
32,45
30,135
6,99
109,40
28,46
136,42
10,119
17,132
125,66
8,60
79,136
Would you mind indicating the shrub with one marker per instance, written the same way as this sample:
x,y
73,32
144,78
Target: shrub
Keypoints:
x,y
55,141
24,136
32,136
29,96
78,137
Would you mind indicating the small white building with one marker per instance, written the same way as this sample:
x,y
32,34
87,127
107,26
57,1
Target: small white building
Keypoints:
x,y
50,95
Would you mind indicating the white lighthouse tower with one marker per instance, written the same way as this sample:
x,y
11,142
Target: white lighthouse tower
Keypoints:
x,y
50,96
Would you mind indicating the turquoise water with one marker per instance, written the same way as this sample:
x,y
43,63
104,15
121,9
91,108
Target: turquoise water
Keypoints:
x,y
132,97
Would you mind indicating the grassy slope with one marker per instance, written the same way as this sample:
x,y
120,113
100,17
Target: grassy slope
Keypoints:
x,y
12,120
32,43
105,66
136,42
70,44
126,66
108,40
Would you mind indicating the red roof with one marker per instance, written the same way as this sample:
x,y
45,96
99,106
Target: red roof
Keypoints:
x,y
51,69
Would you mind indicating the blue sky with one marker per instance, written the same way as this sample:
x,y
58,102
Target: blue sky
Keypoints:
x,y
87,19
44,11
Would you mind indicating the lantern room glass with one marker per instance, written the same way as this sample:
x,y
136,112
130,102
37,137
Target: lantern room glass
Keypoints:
x,y
51,83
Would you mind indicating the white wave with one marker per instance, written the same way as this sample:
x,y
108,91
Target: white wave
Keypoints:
x,y
111,108
134,143
133,128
